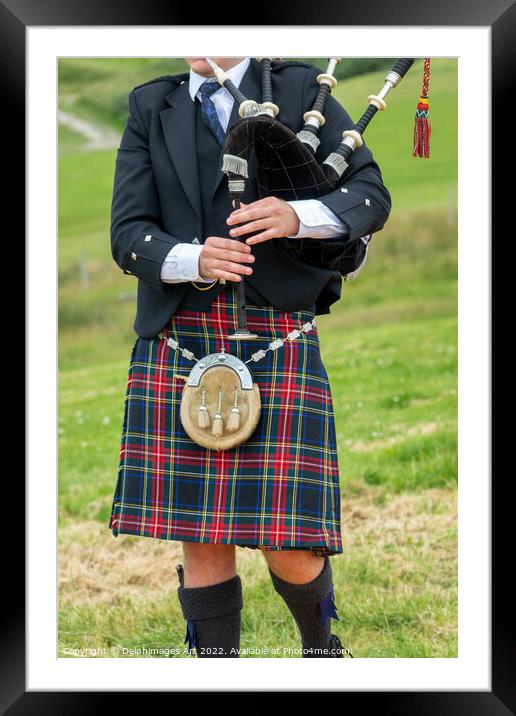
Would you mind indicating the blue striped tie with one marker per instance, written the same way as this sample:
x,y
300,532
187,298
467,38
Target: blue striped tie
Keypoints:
x,y
209,111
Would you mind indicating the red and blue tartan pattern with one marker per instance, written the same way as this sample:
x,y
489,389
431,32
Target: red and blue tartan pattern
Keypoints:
x,y
279,489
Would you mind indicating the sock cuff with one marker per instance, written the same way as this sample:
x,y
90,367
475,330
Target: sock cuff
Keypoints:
x,y
212,601
309,593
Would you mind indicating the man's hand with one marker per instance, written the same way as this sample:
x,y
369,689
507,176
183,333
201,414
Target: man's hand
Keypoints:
x,y
272,216
223,258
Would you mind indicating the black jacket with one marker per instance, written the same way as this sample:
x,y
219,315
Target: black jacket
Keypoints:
x,y
156,198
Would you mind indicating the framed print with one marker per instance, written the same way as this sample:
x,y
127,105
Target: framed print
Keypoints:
x,y
108,153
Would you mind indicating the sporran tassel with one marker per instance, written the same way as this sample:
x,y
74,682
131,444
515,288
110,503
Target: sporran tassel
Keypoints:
x,y
218,422
234,416
204,417
422,126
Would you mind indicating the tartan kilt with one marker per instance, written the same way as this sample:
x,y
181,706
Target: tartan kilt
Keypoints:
x,y
279,489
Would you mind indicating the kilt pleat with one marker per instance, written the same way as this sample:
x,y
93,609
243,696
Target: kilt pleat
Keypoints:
x,y
279,489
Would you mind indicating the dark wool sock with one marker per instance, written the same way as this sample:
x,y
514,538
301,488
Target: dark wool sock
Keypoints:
x,y
213,617
312,606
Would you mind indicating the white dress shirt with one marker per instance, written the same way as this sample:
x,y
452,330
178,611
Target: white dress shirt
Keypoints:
x,y
315,219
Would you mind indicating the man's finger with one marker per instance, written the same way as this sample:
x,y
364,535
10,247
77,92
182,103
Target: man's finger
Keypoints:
x,y
235,256
251,214
264,236
227,275
228,265
256,210
241,204
251,226
221,242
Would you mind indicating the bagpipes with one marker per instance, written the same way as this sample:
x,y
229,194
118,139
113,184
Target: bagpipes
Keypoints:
x,y
287,166
221,402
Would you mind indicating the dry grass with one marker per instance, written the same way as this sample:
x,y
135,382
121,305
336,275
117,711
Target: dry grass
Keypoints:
x,y
426,520
426,428
96,568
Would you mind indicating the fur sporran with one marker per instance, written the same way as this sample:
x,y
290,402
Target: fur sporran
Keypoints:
x,y
220,404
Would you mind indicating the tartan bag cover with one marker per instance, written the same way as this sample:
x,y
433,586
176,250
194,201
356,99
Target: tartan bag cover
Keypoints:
x,y
279,489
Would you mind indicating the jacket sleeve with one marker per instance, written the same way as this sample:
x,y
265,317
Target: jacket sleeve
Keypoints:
x,y
138,244
360,199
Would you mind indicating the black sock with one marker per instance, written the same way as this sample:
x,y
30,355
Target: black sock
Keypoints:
x,y
213,617
312,606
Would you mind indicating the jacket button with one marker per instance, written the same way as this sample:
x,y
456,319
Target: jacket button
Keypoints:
x,y
133,256
367,202
344,190
148,237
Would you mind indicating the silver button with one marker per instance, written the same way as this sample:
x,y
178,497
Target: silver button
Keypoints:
x,y
195,241
148,237
367,202
344,190
133,256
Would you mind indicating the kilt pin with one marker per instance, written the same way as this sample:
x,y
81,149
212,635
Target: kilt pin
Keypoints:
x,y
278,490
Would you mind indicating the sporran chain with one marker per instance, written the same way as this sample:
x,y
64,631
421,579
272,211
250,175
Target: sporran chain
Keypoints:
x,y
255,357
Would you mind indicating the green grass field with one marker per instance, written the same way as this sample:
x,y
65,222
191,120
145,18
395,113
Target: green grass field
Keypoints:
x,y
390,350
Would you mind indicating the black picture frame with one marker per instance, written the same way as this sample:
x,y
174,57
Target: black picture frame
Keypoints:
x,y
500,16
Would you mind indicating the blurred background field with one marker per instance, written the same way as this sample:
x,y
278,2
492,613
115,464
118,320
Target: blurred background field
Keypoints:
x,y
390,350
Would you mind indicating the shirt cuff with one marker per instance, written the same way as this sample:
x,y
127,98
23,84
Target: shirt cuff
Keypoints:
x,y
182,264
316,220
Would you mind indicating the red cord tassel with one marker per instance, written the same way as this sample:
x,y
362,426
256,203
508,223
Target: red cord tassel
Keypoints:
x,y
422,126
